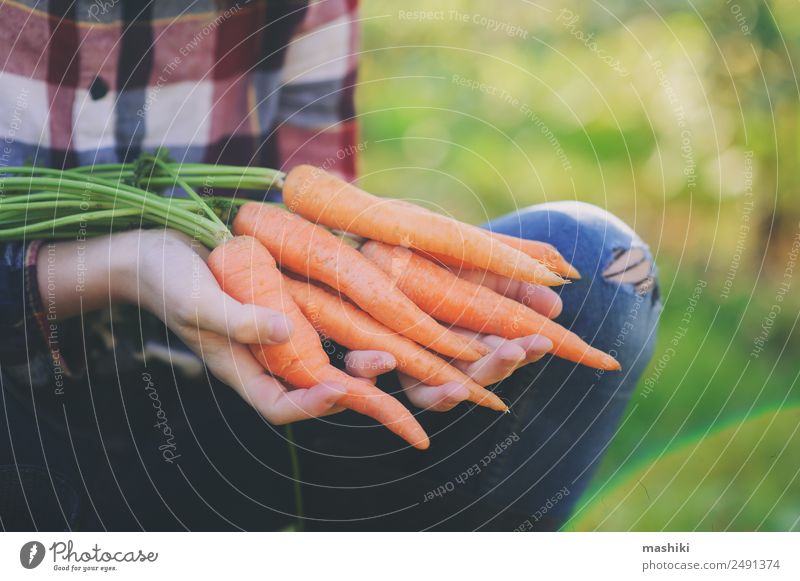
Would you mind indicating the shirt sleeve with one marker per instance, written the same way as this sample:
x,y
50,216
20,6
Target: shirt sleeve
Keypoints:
x,y
17,269
32,342
316,121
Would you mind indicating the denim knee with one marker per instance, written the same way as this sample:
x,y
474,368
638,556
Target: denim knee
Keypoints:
x,y
615,304
566,414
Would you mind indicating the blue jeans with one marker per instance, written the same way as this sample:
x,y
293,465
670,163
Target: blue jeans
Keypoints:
x,y
526,469
92,460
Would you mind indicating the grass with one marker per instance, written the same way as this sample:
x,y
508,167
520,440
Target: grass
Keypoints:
x,y
706,408
740,478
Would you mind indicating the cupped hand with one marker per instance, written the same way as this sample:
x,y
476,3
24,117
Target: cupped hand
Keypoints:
x,y
506,356
168,276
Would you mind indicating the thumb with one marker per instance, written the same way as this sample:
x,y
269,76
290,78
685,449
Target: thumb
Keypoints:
x,y
248,324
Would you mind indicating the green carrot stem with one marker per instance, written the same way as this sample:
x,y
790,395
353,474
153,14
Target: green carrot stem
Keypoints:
x,y
296,476
39,196
171,216
61,204
188,168
102,167
193,194
10,233
105,195
139,200
77,176
198,174
86,221
211,169
230,181
74,186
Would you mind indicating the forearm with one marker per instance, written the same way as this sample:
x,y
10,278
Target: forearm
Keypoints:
x,y
80,276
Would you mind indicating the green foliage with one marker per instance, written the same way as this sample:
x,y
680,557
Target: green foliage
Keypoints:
x,y
735,479
712,380
681,118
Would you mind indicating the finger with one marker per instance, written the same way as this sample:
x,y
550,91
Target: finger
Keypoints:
x,y
334,410
369,364
283,407
494,341
467,333
541,299
219,313
437,398
475,336
535,346
191,242
498,364
235,365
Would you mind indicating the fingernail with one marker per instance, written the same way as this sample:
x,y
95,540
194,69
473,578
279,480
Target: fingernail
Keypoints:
x,y
539,344
556,305
511,353
337,388
384,362
461,392
457,394
280,329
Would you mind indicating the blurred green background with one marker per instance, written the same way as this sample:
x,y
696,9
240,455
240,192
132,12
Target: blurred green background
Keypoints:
x,y
681,118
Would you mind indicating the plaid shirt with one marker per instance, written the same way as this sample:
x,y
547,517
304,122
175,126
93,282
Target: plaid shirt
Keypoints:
x,y
266,83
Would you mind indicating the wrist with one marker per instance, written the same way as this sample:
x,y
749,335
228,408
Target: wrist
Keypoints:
x,y
74,275
138,265
124,264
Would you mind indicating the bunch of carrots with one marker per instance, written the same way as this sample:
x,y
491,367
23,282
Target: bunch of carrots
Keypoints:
x,y
414,273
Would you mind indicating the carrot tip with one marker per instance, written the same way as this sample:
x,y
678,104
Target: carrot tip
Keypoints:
x,y
572,272
486,398
549,278
498,406
422,444
611,364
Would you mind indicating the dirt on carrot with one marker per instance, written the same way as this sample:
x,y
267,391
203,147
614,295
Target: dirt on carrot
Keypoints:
x,y
246,271
542,251
316,254
326,199
455,300
352,328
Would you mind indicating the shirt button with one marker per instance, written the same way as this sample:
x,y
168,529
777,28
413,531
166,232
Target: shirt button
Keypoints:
x,y
98,89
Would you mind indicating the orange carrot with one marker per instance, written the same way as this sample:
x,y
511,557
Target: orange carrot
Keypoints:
x,y
542,251
454,300
353,328
324,198
246,271
315,253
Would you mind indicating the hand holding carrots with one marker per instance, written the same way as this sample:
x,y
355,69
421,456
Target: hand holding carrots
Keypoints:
x,y
395,296
506,357
452,307
169,277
